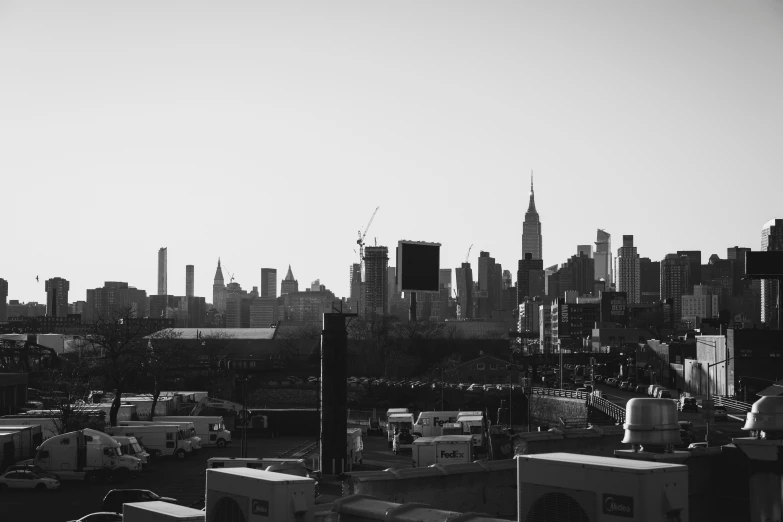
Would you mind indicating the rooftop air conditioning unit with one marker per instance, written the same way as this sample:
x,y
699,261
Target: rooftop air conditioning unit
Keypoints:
x,y
246,494
565,487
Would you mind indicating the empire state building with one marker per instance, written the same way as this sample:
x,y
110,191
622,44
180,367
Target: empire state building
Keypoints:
x,y
531,228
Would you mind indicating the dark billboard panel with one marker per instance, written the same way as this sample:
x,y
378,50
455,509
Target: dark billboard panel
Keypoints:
x,y
760,264
614,308
418,266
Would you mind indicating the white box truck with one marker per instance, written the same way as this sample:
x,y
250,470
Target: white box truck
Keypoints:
x,y
130,446
473,425
211,429
160,440
85,455
259,495
30,438
446,449
398,421
430,423
49,426
188,430
158,511
126,411
14,449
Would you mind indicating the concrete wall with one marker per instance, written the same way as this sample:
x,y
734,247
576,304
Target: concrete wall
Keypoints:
x,y
547,410
481,487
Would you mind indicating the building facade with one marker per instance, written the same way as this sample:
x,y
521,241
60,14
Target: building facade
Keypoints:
x,y
771,240
628,270
376,274
57,297
263,312
524,268
163,271
3,300
268,282
190,281
649,281
465,292
219,290
694,267
115,295
531,228
603,258
703,304
675,273
289,284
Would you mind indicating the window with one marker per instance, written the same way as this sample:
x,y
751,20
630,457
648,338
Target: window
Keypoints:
x,y
493,366
480,366
64,442
169,436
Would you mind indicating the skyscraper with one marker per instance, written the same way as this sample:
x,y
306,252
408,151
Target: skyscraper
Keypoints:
x,y
649,280
771,240
675,271
189,281
489,285
628,271
523,276
444,279
289,284
162,271
219,290
694,267
3,302
585,249
268,282
57,297
465,291
737,254
376,273
115,295
603,257
581,270
531,228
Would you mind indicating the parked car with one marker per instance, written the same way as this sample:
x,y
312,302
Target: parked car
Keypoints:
x,y
598,378
721,413
611,381
688,404
115,498
694,445
665,394
23,479
623,385
33,468
475,388
101,516
641,388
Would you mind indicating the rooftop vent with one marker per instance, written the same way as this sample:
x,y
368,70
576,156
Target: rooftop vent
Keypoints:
x,y
766,418
651,425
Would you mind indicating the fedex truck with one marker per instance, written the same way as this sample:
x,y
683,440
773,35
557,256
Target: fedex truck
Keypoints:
x,y
398,421
473,425
160,440
211,429
446,449
430,423
188,430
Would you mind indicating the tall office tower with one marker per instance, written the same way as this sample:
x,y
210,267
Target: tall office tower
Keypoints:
x,y
3,298
376,287
189,281
582,272
392,285
289,285
355,282
551,281
268,282
675,271
649,280
444,279
465,291
694,264
585,249
737,254
771,240
603,257
718,274
508,282
523,276
531,228
162,271
115,295
219,290
486,281
628,271
57,297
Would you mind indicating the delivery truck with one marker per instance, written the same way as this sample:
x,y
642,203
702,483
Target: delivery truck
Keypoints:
x,y
188,430
396,422
130,446
157,511
85,455
30,438
12,445
445,449
211,429
160,440
473,425
430,423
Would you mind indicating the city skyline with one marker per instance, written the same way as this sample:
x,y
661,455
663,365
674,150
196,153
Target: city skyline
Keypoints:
x,y
626,149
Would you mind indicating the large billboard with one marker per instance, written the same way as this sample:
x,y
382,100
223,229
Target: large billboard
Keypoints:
x,y
764,265
418,266
564,319
614,308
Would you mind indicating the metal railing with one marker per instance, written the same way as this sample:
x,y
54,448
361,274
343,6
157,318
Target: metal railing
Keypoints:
x,y
731,404
557,392
362,417
608,407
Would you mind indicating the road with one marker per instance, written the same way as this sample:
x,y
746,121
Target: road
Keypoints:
x,y
721,432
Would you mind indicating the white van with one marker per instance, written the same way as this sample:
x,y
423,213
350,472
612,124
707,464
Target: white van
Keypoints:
x,y
161,440
473,425
188,430
210,428
430,423
398,421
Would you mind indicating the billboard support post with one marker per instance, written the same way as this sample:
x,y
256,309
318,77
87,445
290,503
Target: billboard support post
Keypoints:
x,y
412,308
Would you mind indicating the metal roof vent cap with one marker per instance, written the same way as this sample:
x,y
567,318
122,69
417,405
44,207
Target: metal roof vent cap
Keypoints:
x,y
766,415
651,423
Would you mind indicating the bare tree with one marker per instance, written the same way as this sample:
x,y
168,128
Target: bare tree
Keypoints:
x,y
166,355
70,384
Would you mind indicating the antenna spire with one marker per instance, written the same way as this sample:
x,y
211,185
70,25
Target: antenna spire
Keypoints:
x,y
531,180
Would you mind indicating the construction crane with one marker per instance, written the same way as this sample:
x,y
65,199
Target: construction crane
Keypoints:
x,y
360,241
468,254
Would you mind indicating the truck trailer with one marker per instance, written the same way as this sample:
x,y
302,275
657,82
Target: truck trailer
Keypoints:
x,y
446,449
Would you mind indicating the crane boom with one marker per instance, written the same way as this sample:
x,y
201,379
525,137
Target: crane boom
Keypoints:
x,y
468,254
360,241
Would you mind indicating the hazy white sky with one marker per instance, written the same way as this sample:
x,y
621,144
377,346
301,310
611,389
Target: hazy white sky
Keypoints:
x,y
266,133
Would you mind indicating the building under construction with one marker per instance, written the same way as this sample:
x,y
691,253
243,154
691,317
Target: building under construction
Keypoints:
x,y
376,288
